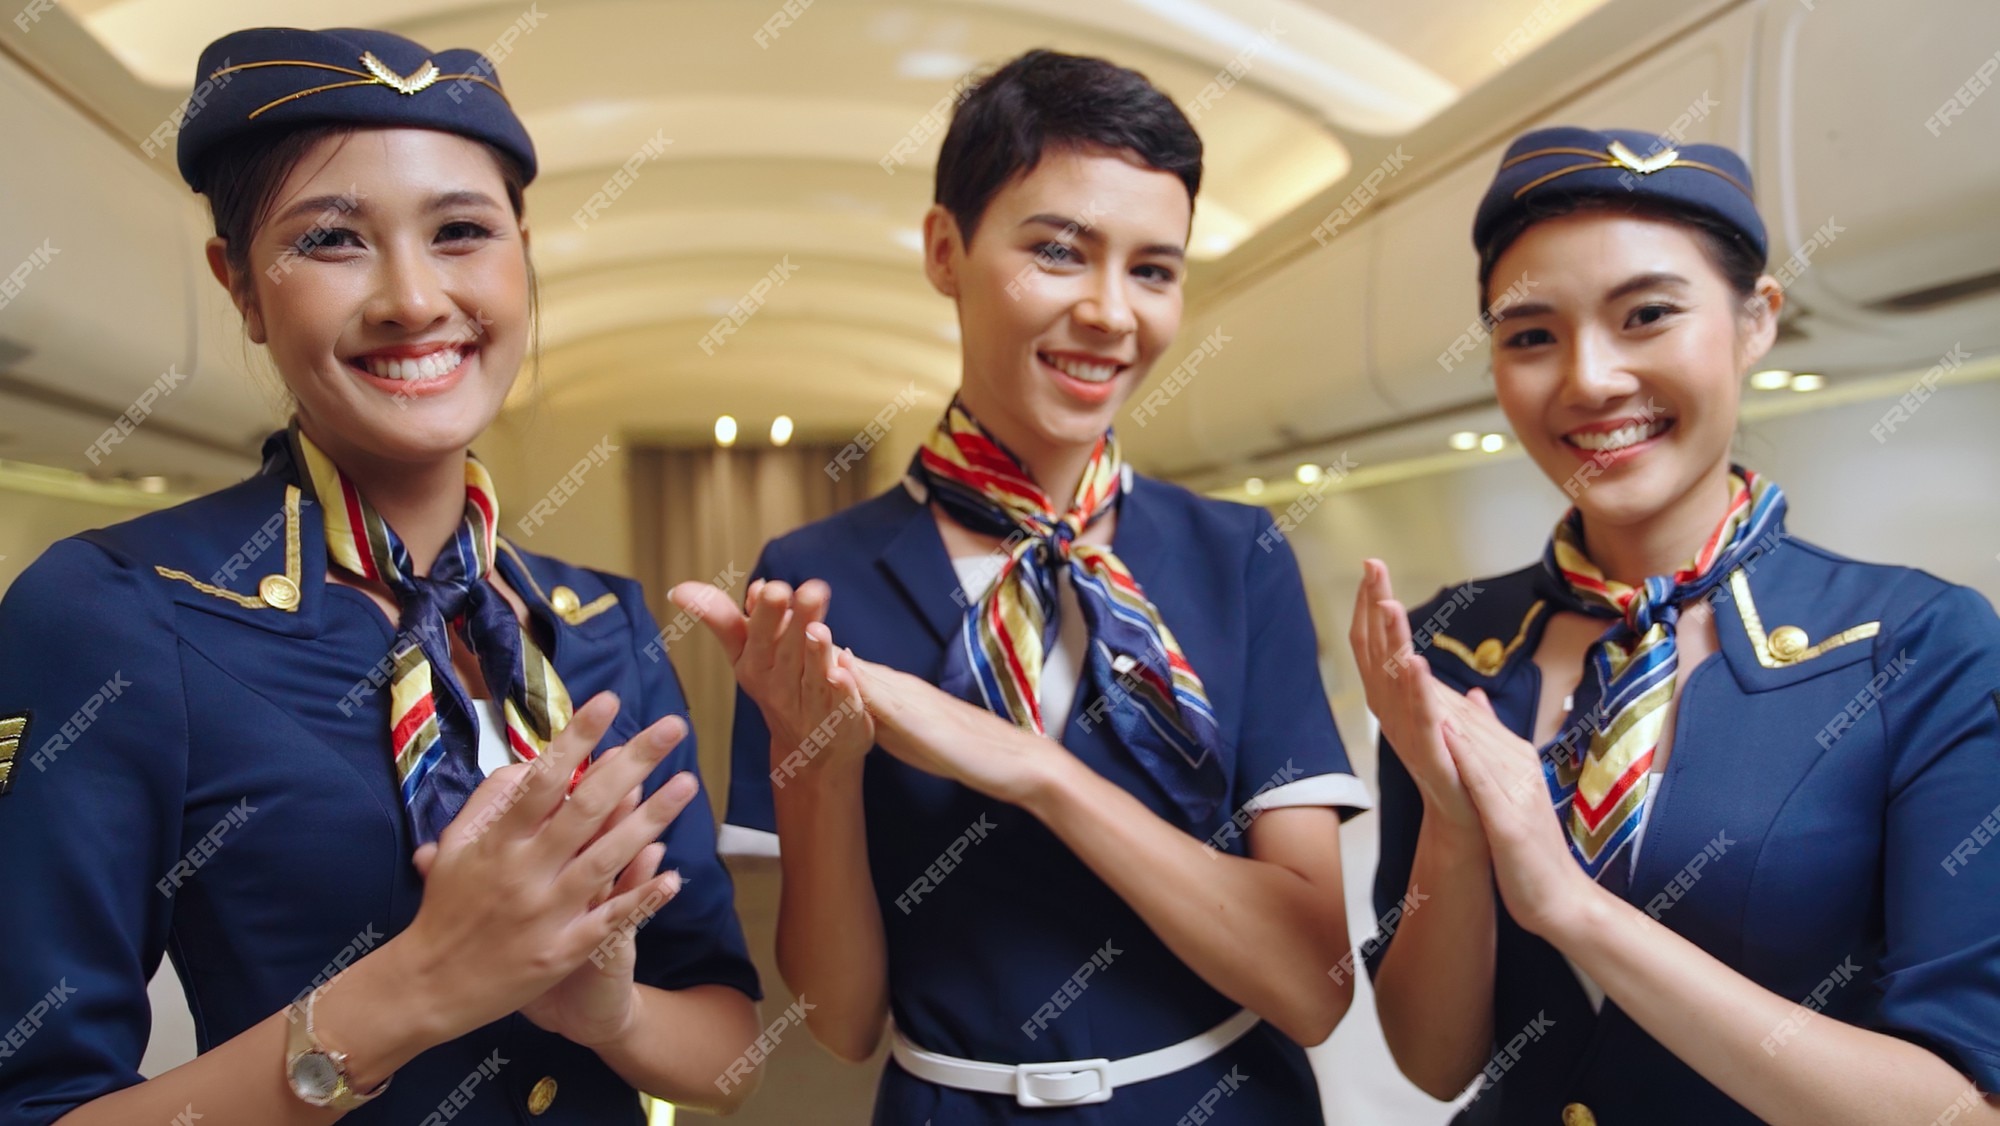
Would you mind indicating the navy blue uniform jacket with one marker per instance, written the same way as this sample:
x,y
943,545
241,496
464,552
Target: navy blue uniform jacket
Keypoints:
x,y
206,775
1825,828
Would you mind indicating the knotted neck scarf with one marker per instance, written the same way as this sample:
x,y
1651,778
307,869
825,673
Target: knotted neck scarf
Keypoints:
x,y
1599,765
1151,697
433,729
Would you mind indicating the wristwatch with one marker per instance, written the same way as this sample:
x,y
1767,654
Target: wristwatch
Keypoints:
x,y
317,1074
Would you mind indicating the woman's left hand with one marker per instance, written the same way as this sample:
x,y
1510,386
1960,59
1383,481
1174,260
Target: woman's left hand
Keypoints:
x,y
1544,888
937,733
597,1003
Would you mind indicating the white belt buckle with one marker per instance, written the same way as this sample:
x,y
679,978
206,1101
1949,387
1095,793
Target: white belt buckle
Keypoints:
x,y
1052,1084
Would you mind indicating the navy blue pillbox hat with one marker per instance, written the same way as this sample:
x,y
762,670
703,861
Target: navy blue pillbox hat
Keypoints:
x,y
1566,161
280,78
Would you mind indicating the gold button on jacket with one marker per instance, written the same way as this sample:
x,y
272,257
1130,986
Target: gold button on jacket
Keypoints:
x,y
543,1094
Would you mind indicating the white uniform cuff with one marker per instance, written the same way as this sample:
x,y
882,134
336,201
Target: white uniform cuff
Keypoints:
x,y
1344,791
741,840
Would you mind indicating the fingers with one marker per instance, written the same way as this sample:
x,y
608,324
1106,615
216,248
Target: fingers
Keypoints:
x,y
530,793
496,794
424,858
715,609
616,772
643,867
1357,629
613,851
632,909
809,605
1478,696
1474,772
770,606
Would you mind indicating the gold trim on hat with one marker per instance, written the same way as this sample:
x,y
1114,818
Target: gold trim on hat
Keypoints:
x,y
377,74
1616,155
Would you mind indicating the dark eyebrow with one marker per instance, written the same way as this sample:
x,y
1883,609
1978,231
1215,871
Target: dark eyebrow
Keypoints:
x,y
320,204
1525,309
351,204
1082,229
1658,279
1519,311
1090,234
461,198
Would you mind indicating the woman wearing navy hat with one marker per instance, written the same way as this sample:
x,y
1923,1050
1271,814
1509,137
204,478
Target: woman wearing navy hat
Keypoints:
x,y
1770,767
1108,889
288,695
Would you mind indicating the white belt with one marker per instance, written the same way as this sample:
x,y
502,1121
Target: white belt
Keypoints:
x,y
1065,1082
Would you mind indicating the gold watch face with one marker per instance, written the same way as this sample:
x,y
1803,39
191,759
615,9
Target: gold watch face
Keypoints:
x,y
314,1077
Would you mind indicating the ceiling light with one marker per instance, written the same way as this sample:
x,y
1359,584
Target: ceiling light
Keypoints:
x,y
1254,486
725,431
1308,473
1808,382
1464,440
151,484
781,430
1777,379
1493,443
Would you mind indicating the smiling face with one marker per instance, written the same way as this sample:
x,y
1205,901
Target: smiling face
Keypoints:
x,y
1618,357
1068,293
390,283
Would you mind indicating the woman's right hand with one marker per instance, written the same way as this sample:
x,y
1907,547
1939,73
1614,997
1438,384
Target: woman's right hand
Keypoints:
x,y
516,893
1404,697
784,657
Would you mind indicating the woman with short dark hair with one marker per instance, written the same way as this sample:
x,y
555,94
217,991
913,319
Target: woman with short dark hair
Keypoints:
x,y
1107,889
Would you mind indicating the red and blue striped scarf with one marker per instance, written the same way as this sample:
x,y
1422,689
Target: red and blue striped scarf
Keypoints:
x,y
1600,787
434,735
1157,707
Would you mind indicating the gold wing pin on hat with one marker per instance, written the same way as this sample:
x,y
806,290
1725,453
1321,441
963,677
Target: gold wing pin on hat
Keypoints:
x,y
1642,165
424,76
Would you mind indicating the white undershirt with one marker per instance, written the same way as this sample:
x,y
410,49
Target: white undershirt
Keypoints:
x,y
493,750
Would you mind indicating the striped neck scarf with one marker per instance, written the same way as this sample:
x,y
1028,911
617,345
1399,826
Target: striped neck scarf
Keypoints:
x,y
1600,791
435,735
1150,695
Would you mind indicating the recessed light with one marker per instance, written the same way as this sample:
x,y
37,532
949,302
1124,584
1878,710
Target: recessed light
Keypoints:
x,y
1493,443
1776,379
1465,440
1805,381
725,431
1254,486
781,430
151,484
1308,473
935,66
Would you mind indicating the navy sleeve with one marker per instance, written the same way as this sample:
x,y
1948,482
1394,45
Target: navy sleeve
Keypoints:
x,y
1290,753
751,808
695,939
1940,698
90,822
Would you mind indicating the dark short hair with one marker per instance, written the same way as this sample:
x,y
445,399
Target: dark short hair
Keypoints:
x,y
1738,261
1047,100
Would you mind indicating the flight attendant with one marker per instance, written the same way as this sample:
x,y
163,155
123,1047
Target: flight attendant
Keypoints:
x,y
252,732
1741,880
1108,888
